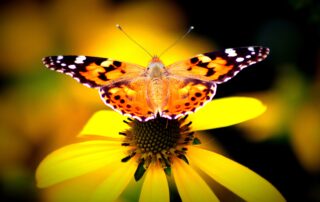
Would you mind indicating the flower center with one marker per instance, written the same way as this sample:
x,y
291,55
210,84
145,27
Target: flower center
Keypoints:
x,y
157,141
156,135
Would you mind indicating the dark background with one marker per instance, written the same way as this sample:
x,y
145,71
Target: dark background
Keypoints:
x,y
290,28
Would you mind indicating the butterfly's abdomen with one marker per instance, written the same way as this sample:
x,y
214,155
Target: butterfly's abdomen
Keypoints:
x,y
157,93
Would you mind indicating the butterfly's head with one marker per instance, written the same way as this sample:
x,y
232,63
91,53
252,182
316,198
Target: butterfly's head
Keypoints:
x,y
156,67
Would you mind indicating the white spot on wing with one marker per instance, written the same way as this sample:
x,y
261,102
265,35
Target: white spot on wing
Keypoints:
x,y
80,59
240,59
60,57
231,52
251,49
242,66
204,58
72,66
106,63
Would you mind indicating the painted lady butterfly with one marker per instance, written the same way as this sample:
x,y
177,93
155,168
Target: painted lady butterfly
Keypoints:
x,y
169,91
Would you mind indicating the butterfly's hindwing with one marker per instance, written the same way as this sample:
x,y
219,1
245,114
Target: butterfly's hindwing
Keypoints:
x,y
91,71
187,95
219,66
129,97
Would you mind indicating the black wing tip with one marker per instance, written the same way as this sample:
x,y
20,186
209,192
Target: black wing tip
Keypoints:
x,y
46,61
253,48
258,49
267,50
261,49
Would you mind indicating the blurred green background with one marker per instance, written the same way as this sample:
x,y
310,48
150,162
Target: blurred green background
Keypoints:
x,y
42,110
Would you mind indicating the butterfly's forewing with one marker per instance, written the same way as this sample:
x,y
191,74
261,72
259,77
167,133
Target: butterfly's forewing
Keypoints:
x,y
219,66
129,97
92,71
186,95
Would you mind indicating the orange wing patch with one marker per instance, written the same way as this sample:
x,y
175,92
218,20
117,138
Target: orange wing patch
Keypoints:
x,y
219,66
109,70
210,68
129,98
95,73
187,95
202,67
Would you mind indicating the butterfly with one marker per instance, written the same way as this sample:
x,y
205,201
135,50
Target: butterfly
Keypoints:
x,y
170,91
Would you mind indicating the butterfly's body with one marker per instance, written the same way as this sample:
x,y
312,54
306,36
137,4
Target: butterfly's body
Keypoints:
x,y
169,91
157,85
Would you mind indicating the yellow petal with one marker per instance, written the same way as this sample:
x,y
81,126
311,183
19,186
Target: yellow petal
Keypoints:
x,y
77,159
190,185
155,187
106,123
76,189
225,112
235,177
116,182
305,131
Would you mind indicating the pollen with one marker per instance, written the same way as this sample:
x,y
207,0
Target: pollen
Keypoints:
x,y
159,140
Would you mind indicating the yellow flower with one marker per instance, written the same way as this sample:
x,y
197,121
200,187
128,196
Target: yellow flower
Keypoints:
x,y
154,153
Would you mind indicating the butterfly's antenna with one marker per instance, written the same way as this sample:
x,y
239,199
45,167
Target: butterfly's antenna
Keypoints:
x,y
178,40
134,41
